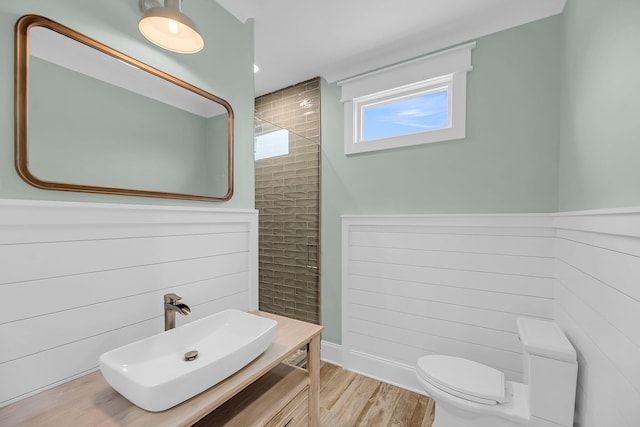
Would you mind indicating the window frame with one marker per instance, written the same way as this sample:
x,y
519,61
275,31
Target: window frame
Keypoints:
x,y
448,68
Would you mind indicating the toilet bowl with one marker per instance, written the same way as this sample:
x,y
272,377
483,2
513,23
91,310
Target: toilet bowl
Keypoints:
x,y
470,394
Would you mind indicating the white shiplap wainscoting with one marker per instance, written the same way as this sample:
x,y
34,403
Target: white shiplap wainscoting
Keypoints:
x,y
598,307
446,284
78,279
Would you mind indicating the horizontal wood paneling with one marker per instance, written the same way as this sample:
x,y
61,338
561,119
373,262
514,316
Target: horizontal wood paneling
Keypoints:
x,y
40,233
66,258
618,269
620,311
489,282
86,278
598,306
495,320
64,328
495,301
489,263
455,284
458,331
596,403
416,285
86,289
452,242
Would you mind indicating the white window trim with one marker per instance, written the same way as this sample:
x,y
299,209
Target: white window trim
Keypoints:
x,y
449,66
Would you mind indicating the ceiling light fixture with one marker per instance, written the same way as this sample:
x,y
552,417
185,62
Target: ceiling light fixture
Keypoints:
x,y
169,28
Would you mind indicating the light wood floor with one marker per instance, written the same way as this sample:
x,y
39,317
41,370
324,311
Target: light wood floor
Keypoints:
x,y
352,400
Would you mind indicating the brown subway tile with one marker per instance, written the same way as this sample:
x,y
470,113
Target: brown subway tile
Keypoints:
x,y
296,107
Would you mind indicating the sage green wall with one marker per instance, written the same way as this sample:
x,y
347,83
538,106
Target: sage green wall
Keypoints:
x,y
216,155
224,68
600,150
507,162
87,136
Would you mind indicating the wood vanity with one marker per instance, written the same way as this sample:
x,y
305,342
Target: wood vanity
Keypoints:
x,y
263,393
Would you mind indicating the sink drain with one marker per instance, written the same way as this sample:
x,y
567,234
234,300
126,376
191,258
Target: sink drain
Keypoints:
x,y
190,355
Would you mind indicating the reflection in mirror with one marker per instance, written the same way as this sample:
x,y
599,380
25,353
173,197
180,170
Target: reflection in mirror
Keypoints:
x,y
99,121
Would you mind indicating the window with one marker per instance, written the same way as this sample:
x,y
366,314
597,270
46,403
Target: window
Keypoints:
x,y
418,102
272,144
401,113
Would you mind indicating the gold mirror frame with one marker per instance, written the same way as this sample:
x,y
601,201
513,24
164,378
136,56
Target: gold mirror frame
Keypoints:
x,y
23,26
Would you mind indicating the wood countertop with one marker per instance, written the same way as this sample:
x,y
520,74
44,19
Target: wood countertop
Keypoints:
x,y
90,401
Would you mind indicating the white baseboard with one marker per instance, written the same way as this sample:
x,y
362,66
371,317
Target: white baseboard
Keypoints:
x,y
380,369
384,370
330,352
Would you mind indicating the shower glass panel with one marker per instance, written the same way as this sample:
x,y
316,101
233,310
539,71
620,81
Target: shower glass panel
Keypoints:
x,y
288,199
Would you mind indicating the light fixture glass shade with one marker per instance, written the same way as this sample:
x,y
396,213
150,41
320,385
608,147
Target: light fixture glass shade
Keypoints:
x,y
170,29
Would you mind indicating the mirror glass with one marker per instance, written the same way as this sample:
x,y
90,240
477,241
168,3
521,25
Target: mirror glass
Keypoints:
x,y
91,119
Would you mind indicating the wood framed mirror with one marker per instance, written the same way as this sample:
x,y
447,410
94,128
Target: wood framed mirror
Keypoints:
x,y
91,119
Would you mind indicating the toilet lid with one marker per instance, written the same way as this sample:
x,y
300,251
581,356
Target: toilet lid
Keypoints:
x,y
464,378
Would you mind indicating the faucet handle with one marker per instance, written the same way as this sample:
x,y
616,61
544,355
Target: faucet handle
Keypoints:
x,y
171,298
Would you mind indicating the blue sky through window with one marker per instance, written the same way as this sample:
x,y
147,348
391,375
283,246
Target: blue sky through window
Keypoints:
x,y
410,115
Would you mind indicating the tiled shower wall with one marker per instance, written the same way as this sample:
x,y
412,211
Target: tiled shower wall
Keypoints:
x,y
288,198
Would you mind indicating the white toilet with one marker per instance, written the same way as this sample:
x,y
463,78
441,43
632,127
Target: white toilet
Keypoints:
x,y
469,394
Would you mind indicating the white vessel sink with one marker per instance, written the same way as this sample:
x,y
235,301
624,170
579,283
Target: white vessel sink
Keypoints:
x,y
153,374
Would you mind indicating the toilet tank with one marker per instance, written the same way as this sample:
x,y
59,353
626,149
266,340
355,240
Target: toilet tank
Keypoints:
x,y
550,370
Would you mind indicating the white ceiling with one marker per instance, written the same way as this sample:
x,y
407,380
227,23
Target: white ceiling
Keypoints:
x,y
296,40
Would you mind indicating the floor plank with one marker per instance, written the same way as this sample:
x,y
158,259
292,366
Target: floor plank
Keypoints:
x,y
424,413
334,389
351,400
404,410
327,373
354,400
377,411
